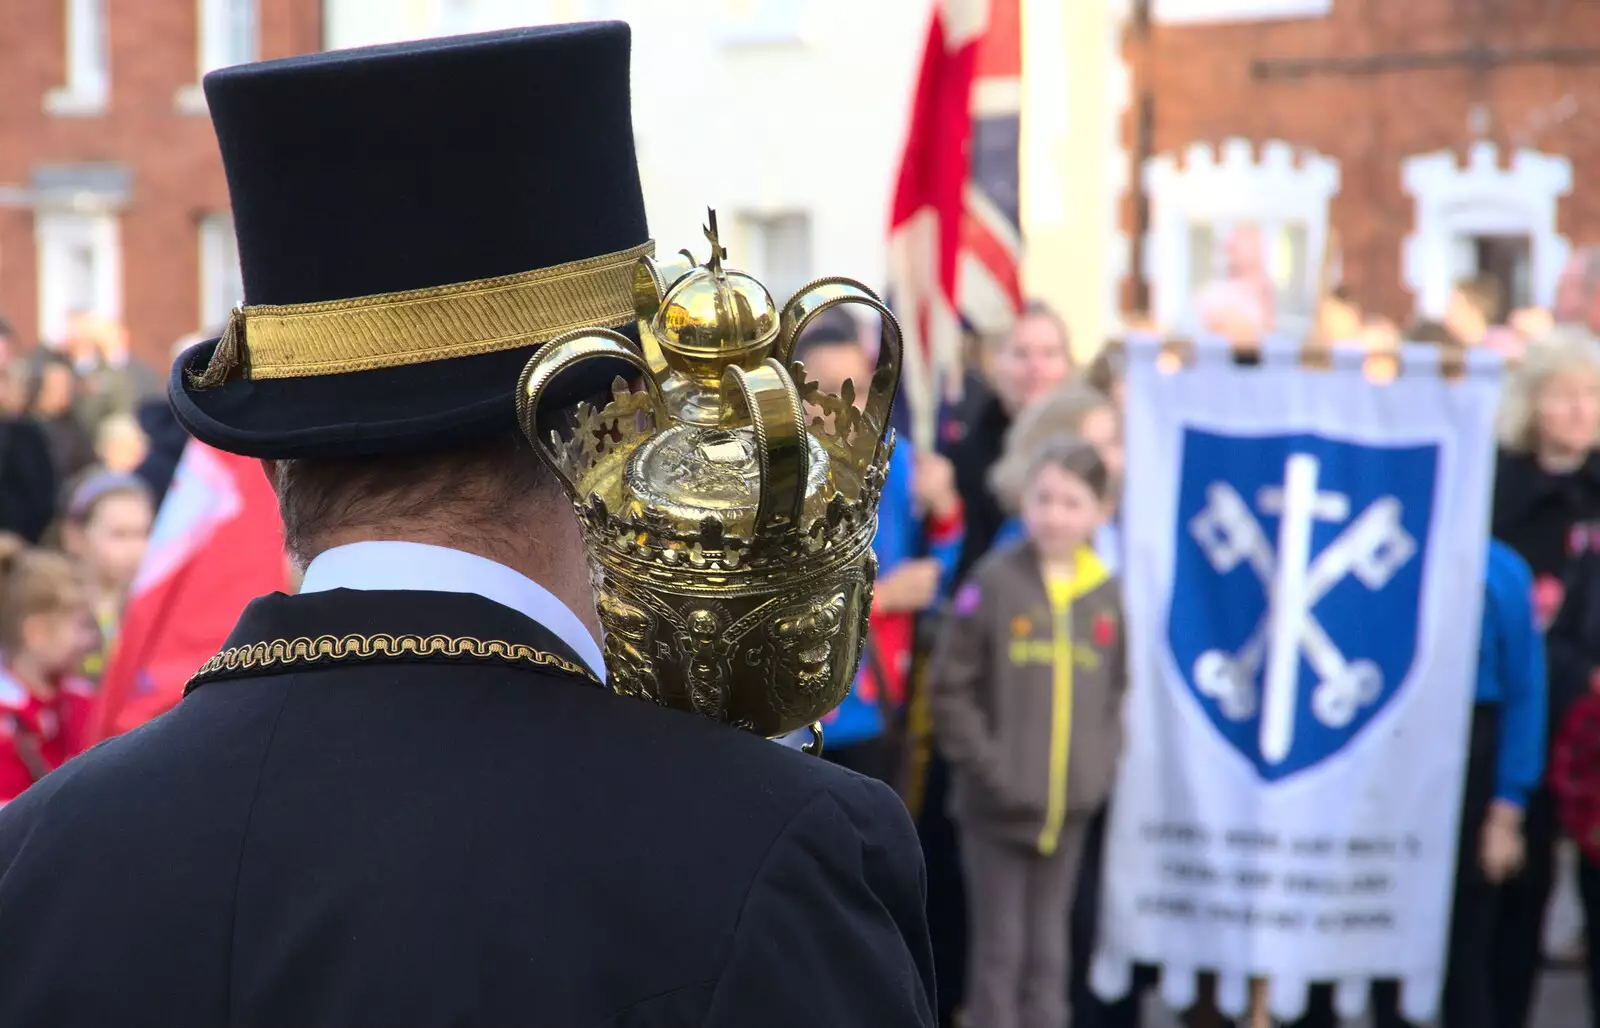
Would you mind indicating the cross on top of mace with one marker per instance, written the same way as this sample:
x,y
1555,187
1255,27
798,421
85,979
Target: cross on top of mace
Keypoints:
x,y
718,251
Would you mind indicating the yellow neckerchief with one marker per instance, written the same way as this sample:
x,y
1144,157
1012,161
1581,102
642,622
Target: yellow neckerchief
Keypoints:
x,y
1088,573
107,617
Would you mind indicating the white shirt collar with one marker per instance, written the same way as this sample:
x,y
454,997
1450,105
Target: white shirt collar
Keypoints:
x,y
418,566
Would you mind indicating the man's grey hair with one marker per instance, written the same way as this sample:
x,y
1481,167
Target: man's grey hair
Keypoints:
x,y
474,494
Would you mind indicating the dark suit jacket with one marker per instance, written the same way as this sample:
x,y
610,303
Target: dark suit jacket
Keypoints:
x,y
975,450
453,841
1534,510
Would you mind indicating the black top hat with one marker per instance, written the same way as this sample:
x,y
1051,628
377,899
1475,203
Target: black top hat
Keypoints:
x,y
359,174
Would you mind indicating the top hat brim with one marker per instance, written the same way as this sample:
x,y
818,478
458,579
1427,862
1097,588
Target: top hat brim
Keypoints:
x,y
415,408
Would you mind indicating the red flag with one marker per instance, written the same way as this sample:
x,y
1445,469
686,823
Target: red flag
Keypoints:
x,y
955,237
217,544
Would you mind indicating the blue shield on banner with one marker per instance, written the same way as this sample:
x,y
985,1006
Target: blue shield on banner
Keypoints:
x,y
1297,587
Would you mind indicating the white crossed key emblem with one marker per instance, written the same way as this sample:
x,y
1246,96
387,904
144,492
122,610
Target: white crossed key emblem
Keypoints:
x,y
1372,548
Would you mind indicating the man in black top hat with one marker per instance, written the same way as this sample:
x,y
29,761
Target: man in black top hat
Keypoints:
x,y
403,797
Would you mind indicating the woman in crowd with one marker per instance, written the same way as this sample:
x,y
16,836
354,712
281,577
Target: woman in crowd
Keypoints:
x,y
105,527
1027,686
1025,364
1548,482
50,399
1548,477
28,477
46,630
13,387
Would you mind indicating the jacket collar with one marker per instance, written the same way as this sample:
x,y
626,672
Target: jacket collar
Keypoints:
x,y
280,633
1521,485
1524,470
1089,572
393,565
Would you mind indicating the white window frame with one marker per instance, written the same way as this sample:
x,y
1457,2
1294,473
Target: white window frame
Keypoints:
x,y
1120,90
1202,12
214,31
764,22
221,284
88,85
458,17
754,228
218,29
59,232
1454,203
1234,189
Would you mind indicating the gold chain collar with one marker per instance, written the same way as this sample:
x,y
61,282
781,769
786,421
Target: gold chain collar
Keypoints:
x,y
305,651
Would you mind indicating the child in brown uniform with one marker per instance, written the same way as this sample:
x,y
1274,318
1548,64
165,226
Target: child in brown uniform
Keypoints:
x,y
1026,694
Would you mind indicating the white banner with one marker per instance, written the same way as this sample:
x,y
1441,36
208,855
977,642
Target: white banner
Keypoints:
x,y
1304,583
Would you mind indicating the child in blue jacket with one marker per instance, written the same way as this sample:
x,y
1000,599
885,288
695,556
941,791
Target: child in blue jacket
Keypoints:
x,y
1511,683
919,537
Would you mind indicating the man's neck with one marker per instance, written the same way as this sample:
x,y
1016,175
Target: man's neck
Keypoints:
x,y
557,563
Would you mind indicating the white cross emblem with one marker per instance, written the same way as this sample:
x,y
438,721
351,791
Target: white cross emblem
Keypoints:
x,y
1372,548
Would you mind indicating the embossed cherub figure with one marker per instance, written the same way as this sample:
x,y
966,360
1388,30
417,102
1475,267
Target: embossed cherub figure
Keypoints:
x,y
708,686
626,650
806,637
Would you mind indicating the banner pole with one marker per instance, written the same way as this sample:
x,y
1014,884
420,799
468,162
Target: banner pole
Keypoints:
x,y
1260,1016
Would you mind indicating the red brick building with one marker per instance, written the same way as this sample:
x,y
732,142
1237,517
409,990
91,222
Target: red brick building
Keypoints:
x,y
1437,138
112,197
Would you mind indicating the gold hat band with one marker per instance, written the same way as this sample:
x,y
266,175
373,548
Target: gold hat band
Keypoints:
x,y
393,330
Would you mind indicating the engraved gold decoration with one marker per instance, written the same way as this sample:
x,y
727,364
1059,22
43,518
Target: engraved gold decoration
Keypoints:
x,y
730,540
324,649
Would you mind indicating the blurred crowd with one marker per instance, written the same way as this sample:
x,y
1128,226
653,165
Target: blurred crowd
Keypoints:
x,y
72,408
88,447
1006,548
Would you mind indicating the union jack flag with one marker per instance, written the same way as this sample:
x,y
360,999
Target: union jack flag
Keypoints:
x,y
955,238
